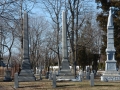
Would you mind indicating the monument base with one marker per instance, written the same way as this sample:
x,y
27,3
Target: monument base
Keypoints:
x,y
26,75
65,72
110,76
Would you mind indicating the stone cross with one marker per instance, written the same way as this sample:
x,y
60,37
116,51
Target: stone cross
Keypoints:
x,y
16,83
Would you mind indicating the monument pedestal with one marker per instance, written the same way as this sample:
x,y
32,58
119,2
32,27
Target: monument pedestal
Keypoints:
x,y
26,75
111,74
65,72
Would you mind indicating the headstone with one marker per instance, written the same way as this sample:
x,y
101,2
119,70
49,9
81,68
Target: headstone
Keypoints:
x,y
26,73
50,75
7,75
47,75
87,75
80,76
87,68
40,73
92,79
110,74
37,71
16,83
54,80
65,72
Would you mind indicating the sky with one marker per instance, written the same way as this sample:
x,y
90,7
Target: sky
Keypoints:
x,y
39,11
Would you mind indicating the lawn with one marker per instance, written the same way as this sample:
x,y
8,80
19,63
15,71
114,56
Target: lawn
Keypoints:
x,y
64,85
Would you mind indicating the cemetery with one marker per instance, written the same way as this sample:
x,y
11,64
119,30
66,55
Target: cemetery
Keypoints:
x,y
64,58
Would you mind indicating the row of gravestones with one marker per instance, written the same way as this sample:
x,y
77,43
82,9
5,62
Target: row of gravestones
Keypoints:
x,y
79,79
52,76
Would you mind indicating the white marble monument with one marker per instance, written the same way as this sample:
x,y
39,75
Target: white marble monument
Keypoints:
x,y
111,73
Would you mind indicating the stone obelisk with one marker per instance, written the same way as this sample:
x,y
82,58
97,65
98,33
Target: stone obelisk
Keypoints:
x,y
65,72
26,73
111,73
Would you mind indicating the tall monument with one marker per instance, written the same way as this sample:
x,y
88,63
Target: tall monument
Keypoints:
x,y
26,73
111,73
65,72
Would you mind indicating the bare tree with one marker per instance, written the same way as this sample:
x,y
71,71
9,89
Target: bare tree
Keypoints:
x,y
38,27
54,9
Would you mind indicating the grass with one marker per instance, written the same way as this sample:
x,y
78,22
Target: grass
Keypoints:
x,y
66,85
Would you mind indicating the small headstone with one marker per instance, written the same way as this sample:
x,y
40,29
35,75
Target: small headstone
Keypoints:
x,y
16,83
87,75
47,75
80,77
92,79
40,73
54,79
87,68
50,75
94,71
7,75
82,74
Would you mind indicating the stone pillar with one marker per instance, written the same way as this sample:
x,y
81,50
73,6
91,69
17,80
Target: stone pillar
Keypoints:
x,y
26,73
65,64
92,79
16,83
111,72
110,51
54,79
65,72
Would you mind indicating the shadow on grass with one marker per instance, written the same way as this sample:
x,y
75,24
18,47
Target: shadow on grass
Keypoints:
x,y
104,85
64,85
29,86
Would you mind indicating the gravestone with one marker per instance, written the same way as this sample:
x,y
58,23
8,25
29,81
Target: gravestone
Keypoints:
x,y
37,71
88,75
16,83
47,75
7,76
87,68
54,80
111,73
40,73
50,75
65,72
92,79
26,74
80,76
